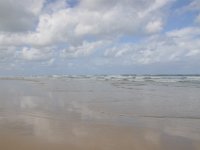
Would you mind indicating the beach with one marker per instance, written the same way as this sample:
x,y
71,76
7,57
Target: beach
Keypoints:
x,y
100,113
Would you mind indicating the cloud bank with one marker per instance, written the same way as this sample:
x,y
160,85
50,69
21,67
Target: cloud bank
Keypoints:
x,y
88,35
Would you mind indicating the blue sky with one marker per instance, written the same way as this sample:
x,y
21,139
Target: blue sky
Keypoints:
x,y
42,37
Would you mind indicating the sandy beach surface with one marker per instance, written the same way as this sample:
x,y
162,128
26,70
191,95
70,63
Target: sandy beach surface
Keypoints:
x,y
104,113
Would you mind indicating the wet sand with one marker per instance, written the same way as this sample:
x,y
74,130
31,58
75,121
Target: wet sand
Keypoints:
x,y
90,114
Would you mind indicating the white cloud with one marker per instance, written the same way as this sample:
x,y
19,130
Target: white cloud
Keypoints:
x,y
192,6
55,6
85,49
154,26
176,45
19,16
184,33
197,20
32,54
7,53
33,27
90,18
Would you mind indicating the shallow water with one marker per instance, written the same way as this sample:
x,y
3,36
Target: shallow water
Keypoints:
x,y
100,112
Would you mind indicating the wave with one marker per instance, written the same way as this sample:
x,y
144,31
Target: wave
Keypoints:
x,y
162,79
128,78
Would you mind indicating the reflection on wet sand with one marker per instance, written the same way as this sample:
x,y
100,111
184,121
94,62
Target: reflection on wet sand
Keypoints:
x,y
89,114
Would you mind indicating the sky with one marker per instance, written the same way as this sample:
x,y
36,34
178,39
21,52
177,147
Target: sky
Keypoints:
x,y
45,37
